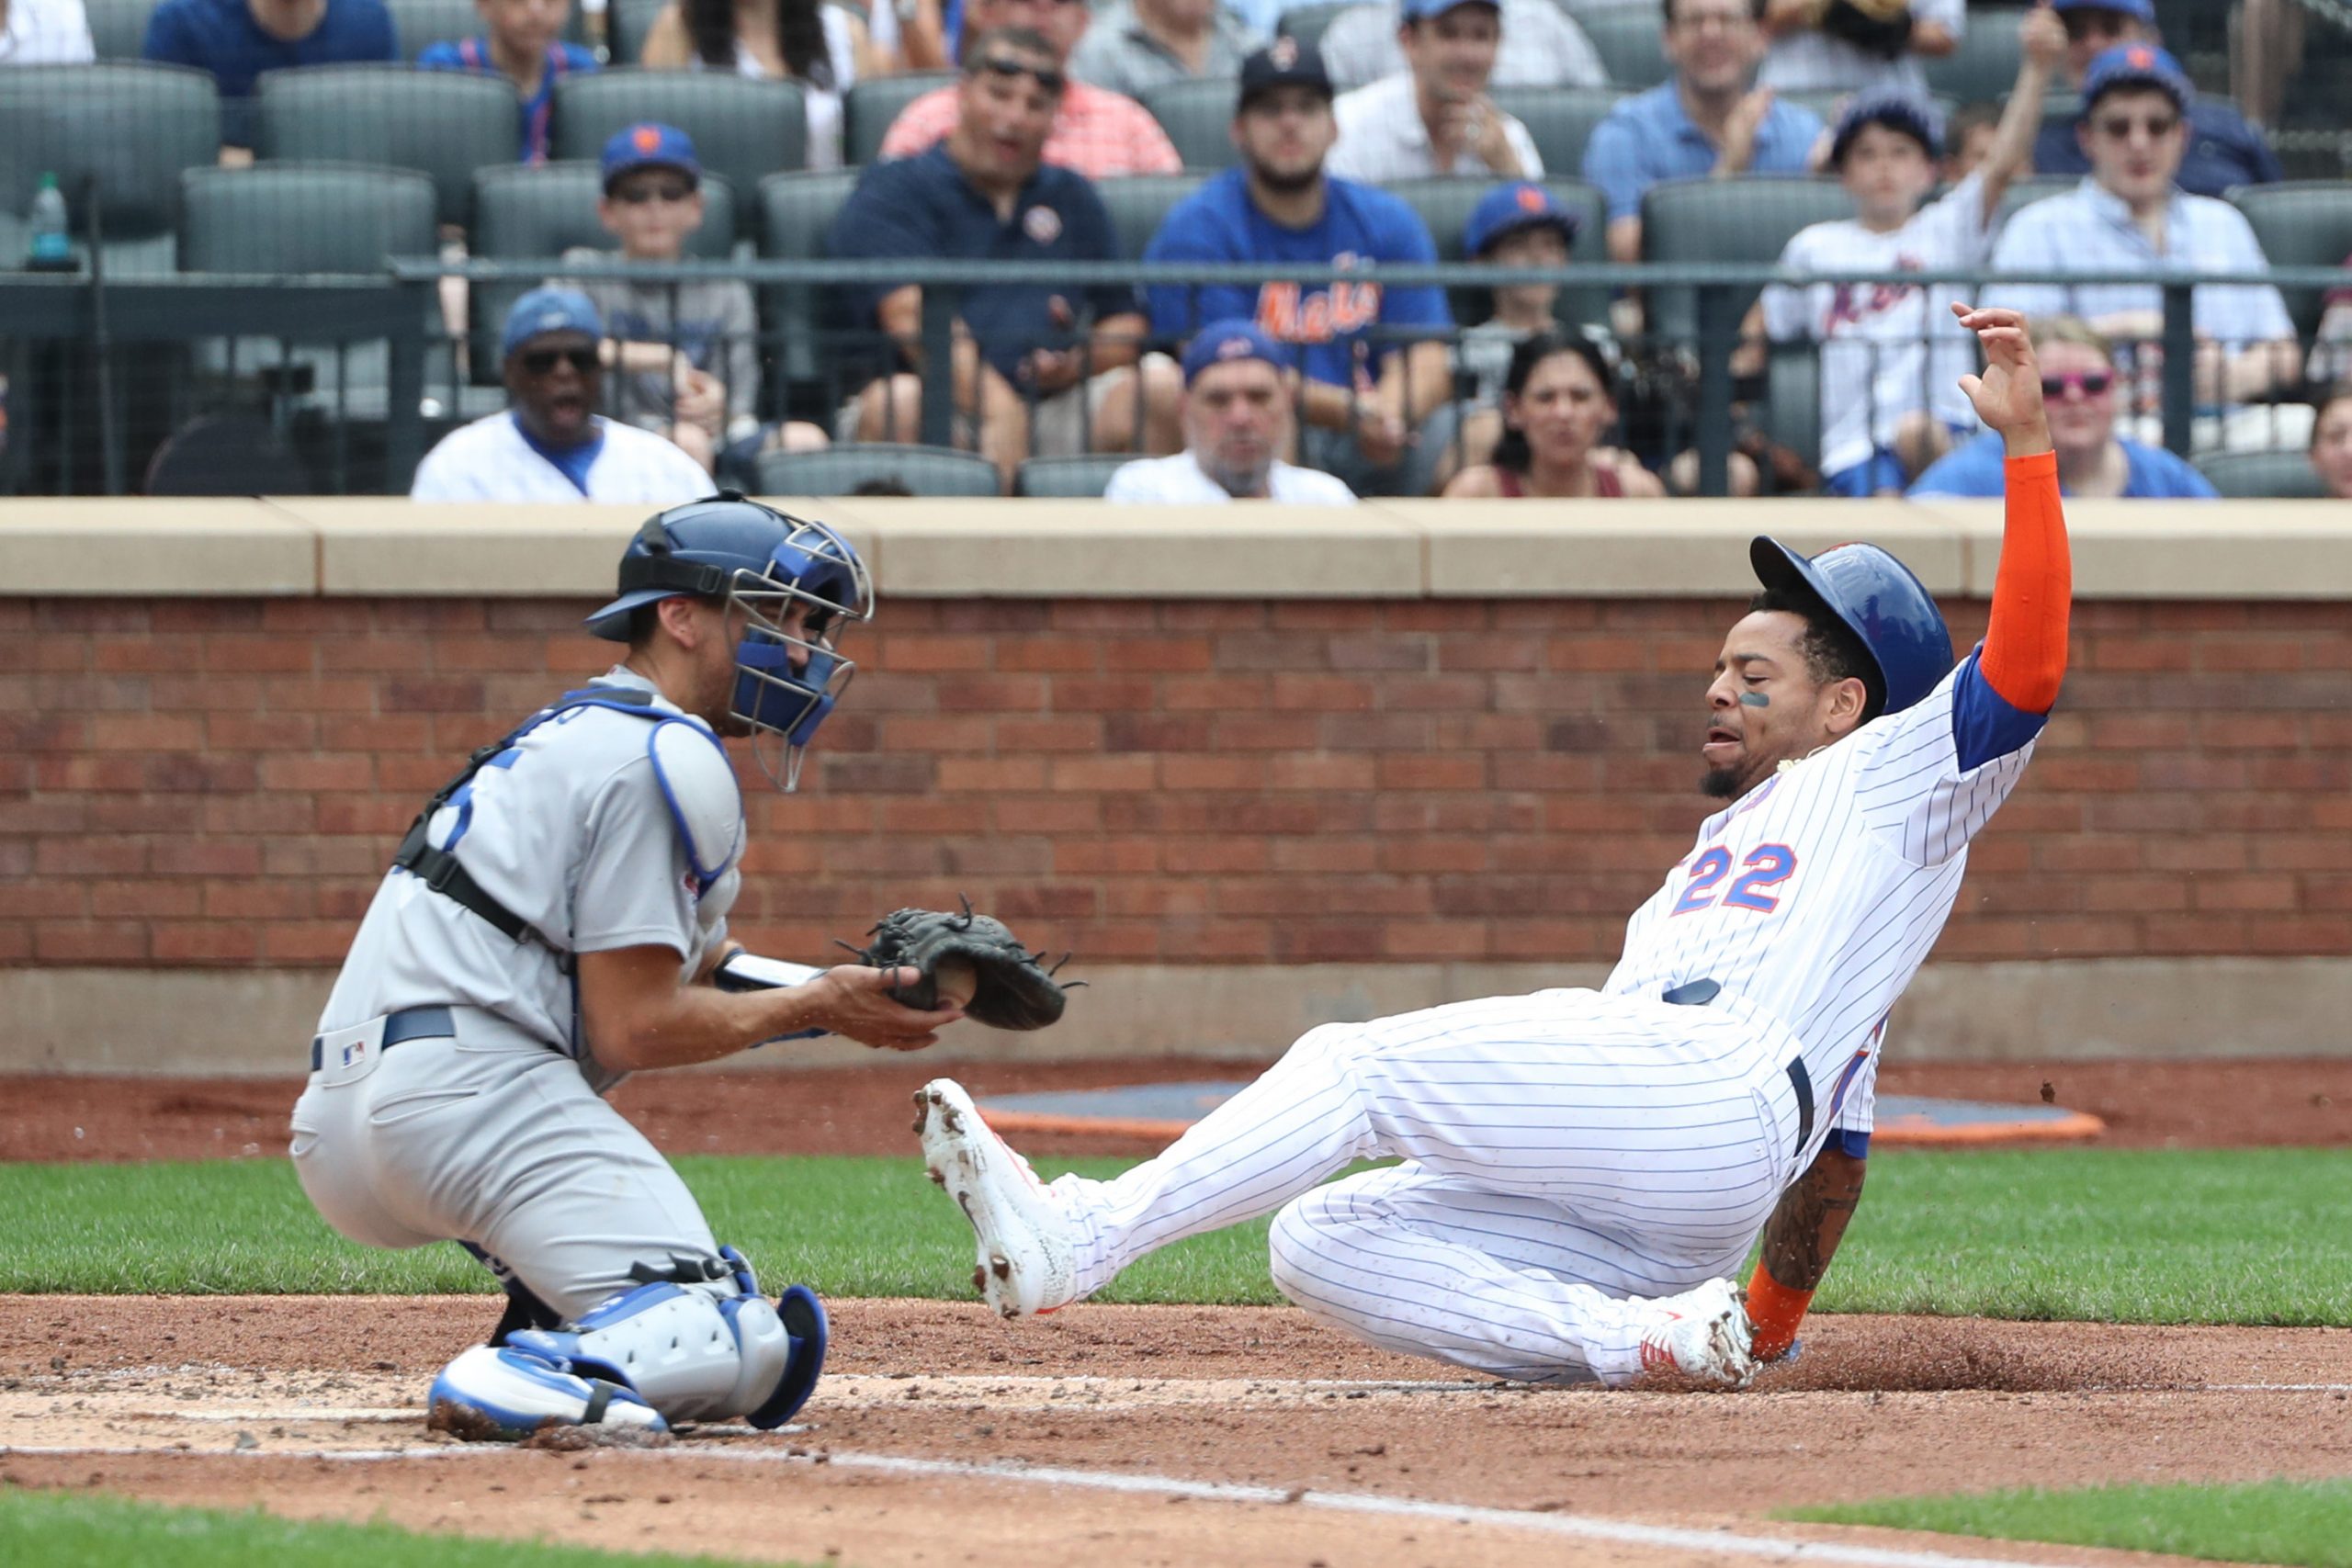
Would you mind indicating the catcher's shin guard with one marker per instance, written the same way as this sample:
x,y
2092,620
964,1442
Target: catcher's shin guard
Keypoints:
x,y
487,1395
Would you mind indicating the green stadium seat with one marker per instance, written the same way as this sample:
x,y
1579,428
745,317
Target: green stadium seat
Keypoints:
x,y
1444,203
1749,219
1076,479
1560,120
1626,38
2024,193
130,128
2263,475
1138,204
743,131
1793,399
119,27
1984,66
1197,114
442,124
869,106
1307,24
625,24
838,470
2301,223
797,210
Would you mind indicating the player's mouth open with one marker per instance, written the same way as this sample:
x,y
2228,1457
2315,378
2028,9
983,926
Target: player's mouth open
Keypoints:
x,y
1722,744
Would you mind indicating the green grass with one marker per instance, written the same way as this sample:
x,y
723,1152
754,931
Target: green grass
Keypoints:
x,y
45,1528
2251,1236
2305,1523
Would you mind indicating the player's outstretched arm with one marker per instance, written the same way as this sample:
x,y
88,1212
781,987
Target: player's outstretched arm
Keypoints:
x,y
636,1017
2025,643
1799,1240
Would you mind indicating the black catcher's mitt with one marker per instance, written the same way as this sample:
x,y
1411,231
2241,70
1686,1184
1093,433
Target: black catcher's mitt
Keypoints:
x,y
1882,28
1012,988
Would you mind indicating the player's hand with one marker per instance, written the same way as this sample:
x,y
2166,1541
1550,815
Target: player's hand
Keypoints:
x,y
855,1002
2042,38
2008,395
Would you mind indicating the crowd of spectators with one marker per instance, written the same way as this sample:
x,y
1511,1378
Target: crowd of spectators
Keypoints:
x,y
1385,390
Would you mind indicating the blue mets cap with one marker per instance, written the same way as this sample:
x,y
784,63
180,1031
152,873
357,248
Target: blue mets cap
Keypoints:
x,y
1510,208
544,310
1233,338
2137,65
650,146
2143,10
1910,113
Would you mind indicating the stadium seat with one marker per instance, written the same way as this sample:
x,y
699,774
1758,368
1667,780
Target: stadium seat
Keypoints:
x,y
1626,38
743,131
1076,478
1749,219
1560,120
1793,399
1307,24
537,214
442,124
795,211
130,128
119,27
2024,193
230,454
1444,203
2301,223
625,24
837,471
421,22
1138,204
1984,66
869,106
2263,475
1197,114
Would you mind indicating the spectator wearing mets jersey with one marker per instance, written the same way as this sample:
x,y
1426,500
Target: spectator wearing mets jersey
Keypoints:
x,y
522,42
1236,426
1099,133
1434,116
551,443
1365,393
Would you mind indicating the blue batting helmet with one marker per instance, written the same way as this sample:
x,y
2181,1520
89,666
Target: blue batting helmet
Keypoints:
x,y
1880,602
769,565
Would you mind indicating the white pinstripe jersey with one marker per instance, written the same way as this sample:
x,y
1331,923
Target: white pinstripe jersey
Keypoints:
x,y
1817,895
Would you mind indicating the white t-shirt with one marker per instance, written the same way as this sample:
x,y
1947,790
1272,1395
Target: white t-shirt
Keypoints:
x,y
46,32
1382,138
1178,480
824,104
1886,350
1810,60
489,460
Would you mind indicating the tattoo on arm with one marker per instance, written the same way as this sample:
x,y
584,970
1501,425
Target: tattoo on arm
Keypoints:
x,y
1804,1230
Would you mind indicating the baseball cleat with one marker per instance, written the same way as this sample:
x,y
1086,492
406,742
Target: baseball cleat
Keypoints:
x,y
1702,1333
1025,1264
494,1397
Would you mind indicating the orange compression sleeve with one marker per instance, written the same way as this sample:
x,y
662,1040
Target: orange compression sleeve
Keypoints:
x,y
2025,647
1776,1311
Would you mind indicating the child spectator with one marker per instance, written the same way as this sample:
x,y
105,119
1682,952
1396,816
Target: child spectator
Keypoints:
x,y
523,44
1518,225
1967,139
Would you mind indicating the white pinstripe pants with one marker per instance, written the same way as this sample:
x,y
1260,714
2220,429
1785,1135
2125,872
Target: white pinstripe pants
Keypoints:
x,y
1565,1155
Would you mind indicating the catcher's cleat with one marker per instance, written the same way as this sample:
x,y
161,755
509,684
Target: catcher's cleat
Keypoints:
x,y
1702,1333
1024,1266
488,1396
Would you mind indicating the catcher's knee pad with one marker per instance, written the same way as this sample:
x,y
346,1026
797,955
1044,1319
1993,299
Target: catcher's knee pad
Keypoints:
x,y
698,1352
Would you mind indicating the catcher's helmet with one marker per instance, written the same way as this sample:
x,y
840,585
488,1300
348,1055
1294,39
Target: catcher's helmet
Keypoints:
x,y
764,562
1880,602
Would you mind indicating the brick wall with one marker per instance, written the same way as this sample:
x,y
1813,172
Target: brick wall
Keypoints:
x,y
219,782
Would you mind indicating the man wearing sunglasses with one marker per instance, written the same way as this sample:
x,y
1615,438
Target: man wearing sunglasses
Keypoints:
x,y
2079,390
2131,216
550,445
2223,149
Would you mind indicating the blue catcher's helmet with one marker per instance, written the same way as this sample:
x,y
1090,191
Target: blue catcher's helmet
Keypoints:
x,y
1880,602
766,564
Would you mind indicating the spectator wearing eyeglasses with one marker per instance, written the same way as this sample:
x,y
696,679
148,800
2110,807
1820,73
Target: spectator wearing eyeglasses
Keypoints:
x,y
687,353
2132,215
1098,133
550,445
2332,442
2079,386
1434,116
2220,150
1366,44
1133,45
1038,367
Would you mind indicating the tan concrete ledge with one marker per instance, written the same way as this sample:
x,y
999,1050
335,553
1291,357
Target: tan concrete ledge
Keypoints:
x,y
1059,549
258,1023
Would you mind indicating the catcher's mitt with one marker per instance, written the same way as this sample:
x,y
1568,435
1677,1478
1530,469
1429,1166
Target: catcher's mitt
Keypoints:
x,y
1875,27
1012,986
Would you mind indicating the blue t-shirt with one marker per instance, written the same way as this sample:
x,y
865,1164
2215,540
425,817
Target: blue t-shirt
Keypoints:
x,y
2223,151
1332,322
1649,137
1973,468
924,207
221,37
472,55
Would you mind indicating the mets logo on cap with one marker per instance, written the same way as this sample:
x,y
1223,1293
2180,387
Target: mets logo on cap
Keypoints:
x,y
2140,57
646,138
1283,52
1235,348
1529,198
1042,224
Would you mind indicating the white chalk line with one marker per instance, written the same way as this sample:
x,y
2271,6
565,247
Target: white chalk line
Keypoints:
x,y
1724,1543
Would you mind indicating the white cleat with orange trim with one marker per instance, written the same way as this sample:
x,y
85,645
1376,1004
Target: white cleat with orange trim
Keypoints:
x,y
1024,1265
1702,1333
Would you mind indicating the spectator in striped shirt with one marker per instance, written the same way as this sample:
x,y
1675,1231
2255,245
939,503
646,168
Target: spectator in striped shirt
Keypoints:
x,y
522,42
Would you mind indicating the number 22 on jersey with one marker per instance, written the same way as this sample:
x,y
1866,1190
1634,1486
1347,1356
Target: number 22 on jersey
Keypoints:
x,y
1767,865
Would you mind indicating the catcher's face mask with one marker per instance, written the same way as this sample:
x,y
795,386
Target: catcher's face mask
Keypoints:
x,y
789,670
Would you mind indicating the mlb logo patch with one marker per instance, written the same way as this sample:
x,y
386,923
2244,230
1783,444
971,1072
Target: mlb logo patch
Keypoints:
x,y
355,1051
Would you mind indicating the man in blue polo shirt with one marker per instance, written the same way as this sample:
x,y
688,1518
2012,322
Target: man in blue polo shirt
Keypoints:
x,y
236,40
1039,367
1707,119
1365,393
2223,149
